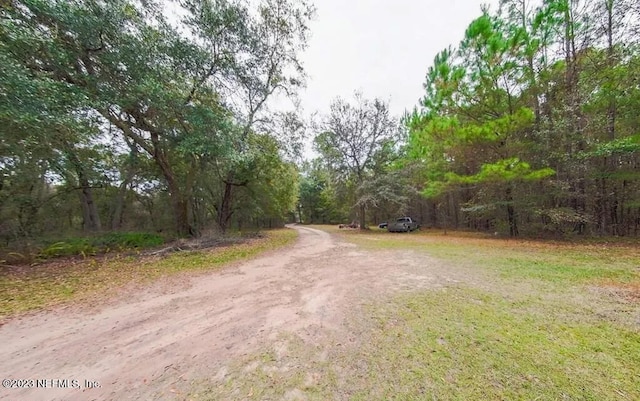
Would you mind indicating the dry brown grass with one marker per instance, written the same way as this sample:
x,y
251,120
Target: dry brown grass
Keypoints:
x,y
27,288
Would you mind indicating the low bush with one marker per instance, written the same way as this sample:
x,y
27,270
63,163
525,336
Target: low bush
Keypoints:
x,y
101,243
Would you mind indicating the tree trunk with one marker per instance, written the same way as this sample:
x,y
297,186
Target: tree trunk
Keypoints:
x,y
90,216
181,212
603,203
363,219
609,162
511,214
622,225
178,199
118,208
179,204
224,211
434,214
158,151
452,210
533,85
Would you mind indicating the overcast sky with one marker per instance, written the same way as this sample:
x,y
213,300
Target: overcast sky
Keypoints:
x,y
380,47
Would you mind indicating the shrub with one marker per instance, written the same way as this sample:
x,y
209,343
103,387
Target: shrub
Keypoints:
x,y
128,240
101,243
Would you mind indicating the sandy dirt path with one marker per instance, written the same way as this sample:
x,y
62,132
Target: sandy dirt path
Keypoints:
x,y
152,344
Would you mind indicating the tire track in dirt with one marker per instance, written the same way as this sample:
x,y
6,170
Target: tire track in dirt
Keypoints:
x,y
153,344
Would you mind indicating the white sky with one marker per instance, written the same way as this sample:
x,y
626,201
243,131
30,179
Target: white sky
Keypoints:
x,y
381,47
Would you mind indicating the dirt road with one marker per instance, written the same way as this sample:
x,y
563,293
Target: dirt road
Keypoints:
x,y
152,344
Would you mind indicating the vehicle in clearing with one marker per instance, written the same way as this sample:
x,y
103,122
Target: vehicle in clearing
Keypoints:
x,y
383,225
403,224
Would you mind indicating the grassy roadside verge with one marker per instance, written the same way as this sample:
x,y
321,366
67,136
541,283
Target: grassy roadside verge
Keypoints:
x,y
552,262
469,344
539,331
543,321
72,280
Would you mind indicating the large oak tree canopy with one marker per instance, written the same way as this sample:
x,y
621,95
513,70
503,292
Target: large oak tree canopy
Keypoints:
x,y
188,93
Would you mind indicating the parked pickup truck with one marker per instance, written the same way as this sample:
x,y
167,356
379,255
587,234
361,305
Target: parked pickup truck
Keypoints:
x,y
403,224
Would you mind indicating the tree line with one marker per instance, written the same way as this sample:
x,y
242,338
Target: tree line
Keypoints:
x,y
116,117
147,115
529,126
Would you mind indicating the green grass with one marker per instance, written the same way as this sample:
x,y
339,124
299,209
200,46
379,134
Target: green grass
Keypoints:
x,y
531,324
466,344
458,343
42,249
558,262
32,288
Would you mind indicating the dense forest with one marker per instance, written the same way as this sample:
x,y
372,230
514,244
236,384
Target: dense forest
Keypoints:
x,y
530,126
154,116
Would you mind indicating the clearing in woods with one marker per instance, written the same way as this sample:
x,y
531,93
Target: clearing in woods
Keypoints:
x,y
362,316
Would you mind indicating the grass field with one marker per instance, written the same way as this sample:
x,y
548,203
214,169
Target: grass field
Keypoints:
x,y
31,288
558,262
539,321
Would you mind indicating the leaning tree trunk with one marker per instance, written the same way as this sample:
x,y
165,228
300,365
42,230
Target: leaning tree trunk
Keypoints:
x,y
90,216
158,151
225,210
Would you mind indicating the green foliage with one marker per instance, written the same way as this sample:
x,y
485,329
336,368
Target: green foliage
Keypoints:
x,y
502,171
102,243
78,246
128,240
321,199
156,95
506,116
357,142
628,145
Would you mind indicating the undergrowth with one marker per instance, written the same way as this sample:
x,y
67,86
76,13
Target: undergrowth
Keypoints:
x,y
25,288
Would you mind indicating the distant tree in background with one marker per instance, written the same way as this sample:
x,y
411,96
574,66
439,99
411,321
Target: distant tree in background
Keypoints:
x,y
353,141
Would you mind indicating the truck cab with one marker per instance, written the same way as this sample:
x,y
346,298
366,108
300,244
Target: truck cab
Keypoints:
x,y
403,224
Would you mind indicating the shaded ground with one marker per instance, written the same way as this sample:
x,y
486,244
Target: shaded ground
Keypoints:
x,y
156,343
